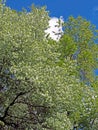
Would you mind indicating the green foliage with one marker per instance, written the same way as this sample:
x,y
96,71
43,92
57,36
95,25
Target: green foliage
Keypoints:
x,y
84,36
39,84
67,46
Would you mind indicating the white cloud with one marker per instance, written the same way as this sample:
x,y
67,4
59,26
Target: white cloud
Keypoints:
x,y
55,28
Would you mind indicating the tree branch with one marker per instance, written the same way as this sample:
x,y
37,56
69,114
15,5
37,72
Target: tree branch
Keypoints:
x,y
11,104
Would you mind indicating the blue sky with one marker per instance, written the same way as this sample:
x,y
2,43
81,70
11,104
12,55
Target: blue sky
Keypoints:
x,y
85,8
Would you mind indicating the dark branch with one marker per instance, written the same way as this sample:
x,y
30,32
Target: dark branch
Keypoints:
x,y
11,104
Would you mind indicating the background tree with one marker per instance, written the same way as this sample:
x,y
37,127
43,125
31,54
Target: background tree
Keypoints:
x,y
83,47
79,43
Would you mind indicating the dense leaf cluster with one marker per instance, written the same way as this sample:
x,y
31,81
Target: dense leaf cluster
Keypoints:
x,y
40,81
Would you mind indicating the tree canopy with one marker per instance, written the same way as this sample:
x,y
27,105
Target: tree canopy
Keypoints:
x,y
40,83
